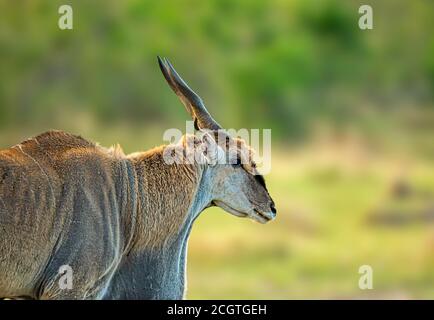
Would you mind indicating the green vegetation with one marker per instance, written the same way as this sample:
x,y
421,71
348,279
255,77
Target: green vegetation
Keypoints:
x,y
351,113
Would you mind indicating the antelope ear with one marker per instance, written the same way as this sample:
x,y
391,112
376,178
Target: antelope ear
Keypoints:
x,y
211,151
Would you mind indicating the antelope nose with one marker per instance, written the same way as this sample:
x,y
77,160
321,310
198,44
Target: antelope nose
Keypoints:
x,y
273,208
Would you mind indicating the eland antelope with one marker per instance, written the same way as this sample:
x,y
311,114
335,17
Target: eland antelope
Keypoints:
x,y
121,223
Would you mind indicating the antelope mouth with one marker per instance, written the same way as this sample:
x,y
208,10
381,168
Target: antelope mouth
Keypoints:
x,y
255,214
262,215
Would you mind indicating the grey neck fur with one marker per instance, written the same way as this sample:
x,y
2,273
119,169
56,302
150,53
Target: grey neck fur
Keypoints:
x,y
159,272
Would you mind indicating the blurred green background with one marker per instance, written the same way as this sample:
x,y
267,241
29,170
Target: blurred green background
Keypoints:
x,y
351,113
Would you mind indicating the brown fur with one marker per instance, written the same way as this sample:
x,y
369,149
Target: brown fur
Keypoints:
x,y
57,180
53,187
166,191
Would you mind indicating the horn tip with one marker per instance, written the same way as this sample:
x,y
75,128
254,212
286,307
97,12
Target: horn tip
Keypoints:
x,y
162,64
160,61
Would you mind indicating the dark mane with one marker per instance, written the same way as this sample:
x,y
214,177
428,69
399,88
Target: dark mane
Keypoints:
x,y
60,138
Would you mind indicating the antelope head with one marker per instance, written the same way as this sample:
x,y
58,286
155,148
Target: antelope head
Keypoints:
x,y
236,185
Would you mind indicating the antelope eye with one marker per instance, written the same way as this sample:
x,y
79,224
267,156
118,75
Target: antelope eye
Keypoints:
x,y
237,163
